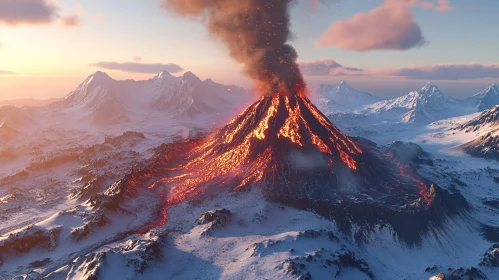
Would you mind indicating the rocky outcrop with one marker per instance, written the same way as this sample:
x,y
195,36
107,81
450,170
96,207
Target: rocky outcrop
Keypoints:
x,y
27,239
215,219
491,257
333,262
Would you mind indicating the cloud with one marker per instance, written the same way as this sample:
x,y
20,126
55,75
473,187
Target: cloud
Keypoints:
x,y
388,27
16,12
327,67
71,21
137,59
457,71
7,73
460,71
135,67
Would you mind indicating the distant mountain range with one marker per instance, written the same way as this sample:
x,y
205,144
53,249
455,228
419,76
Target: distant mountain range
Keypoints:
x,y
421,106
103,100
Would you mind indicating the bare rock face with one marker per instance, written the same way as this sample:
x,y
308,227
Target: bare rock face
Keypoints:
x,y
471,273
216,219
27,239
333,262
491,257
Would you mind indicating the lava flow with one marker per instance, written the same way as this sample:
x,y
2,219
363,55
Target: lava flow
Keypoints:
x,y
284,144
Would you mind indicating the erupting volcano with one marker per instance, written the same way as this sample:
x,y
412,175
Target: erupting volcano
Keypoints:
x,y
284,145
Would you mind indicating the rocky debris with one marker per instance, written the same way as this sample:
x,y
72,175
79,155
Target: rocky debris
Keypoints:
x,y
491,257
90,225
112,198
128,138
91,187
27,239
217,218
471,273
318,233
409,153
130,258
334,262
296,269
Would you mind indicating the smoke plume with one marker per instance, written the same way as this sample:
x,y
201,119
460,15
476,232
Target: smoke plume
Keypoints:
x,y
256,33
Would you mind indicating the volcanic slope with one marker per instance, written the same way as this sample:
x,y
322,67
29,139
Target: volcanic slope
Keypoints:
x,y
288,147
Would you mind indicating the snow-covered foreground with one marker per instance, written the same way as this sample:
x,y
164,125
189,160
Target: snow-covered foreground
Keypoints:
x,y
65,214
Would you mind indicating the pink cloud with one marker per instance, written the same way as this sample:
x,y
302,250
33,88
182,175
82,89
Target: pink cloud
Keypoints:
x,y
16,12
444,6
71,21
388,27
137,59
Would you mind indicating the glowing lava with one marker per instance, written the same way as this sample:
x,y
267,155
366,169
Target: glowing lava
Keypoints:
x,y
259,147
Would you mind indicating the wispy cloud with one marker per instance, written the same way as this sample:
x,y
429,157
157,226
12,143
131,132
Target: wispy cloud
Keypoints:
x,y
459,71
441,71
7,73
135,67
327,67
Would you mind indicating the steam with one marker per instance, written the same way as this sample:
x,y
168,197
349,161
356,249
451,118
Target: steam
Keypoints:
x,y
256,33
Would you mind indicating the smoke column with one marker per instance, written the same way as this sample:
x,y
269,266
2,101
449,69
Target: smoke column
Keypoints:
x,y
256,33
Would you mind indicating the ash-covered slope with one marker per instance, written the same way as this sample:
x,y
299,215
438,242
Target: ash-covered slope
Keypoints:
x,y
342,97
285,145
424,105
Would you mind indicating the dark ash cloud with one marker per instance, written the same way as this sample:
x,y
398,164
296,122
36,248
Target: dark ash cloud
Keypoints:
x,y
135,67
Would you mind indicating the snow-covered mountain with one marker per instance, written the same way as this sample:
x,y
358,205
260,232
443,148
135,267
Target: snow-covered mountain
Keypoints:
x,y
105,101
424,105
486,99
485,130
342,97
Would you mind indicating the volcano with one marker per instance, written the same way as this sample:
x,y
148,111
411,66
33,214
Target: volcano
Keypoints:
x,y
285,146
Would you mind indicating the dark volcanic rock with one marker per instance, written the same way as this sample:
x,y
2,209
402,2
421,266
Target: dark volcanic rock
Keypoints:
x,y
491,257
216,219
471,273
129,138
409,153
490,233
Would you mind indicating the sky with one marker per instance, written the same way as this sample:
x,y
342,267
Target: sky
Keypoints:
x,y
385,47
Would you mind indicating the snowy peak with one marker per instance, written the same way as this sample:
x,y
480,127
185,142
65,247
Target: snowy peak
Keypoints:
x,y
98,77
191,78
424,105
487,98
342,97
